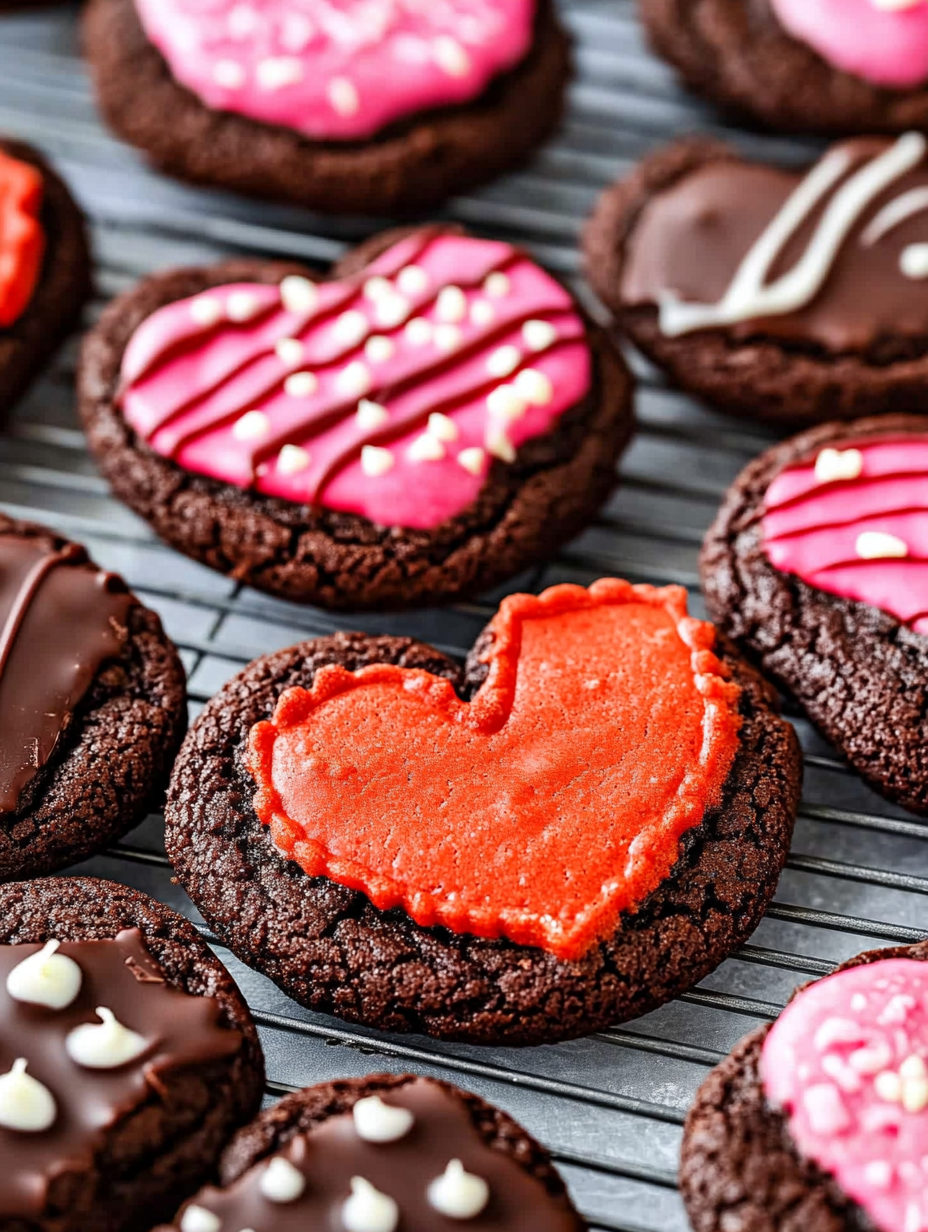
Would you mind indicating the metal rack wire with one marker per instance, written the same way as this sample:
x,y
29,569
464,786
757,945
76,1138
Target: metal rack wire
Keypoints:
x,y
610,1107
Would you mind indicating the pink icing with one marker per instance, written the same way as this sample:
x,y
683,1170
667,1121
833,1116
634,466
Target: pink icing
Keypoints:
x,y
846,1063
337,70
192,387
885,46
813,528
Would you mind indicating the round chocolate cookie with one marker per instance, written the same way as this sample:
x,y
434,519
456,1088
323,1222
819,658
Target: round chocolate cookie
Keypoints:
x,y
375,138
92,704
738,53
771,294
414,1149
42,291
127,1058
435,417
741,1163
563,928
815,566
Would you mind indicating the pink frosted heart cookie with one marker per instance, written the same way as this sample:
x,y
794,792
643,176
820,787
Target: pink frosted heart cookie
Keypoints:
x,y
371,105
434,415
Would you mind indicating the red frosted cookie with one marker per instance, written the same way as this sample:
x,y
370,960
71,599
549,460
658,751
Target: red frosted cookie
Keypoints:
x,y
558,809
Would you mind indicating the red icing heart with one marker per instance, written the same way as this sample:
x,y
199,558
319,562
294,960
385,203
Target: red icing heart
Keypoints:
x,y
538,811
22,240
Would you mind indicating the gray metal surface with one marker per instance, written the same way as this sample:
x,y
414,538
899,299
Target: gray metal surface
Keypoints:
x,y
610,1107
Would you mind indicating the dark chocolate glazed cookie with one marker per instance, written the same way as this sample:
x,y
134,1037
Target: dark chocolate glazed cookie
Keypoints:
x,y
815,566
773,294
92,704
384,1151
432,419
325,108
336,815
127,1058
44,265
849,66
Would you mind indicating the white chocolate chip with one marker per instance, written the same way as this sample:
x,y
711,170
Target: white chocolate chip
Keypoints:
x,y
289,351
534,386
443,428
252,426
450,56
377,288
350,328
298,294
25,1104
425,448
46,978
497,285
281,1182
472,459
482,312
506,403
199,1219
379,349
206,310
355,380
344,96
371,414
834,464
104,1045
451,305
499,444
915,1094
392,311
418,332
292,459
369,1210
448,337
504,361
539,335
229,74
277,72
301,385
412,280
458,1194
376,461
913,261
376,1121
878,545
242,306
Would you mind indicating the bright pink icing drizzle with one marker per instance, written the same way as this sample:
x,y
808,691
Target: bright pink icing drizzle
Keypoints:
x,y
337,70
813,529
884,46
476,333
846,1063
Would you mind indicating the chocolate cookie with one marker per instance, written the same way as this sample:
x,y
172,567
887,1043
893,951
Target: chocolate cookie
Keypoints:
x,y
576,827
815,565
332,110
92,704
127,1058
850,66
437,416
771,294
44,265
384,1152
820,1121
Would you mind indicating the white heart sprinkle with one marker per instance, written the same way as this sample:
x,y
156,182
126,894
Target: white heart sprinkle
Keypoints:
x,y
301,385
242,306
534,386
371,414
472,459
251,426
376,461
425,448
443,428
379,349
412,280
289,351
292,459
451,305
835,464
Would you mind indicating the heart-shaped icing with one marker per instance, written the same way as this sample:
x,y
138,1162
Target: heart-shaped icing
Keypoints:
x,y
846,1061
863,536
386,394
342,71
22,239
882,41
538,811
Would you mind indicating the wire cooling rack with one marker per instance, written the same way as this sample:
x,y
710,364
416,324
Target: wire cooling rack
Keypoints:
x,y
610,1107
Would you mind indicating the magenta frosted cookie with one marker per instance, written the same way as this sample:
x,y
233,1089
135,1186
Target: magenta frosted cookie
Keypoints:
x,y
369,105
436,416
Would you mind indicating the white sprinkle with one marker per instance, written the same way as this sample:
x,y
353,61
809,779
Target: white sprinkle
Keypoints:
x,y
499,444
878,1173
412,280
913,261
448,337
252,426
199,1219
376,1121
443,428
379,349
392,311
858,1002
281,1182
450,56
506,403
915,1094
825,1109
292,460
458,1194
878,545
229,74
296,32
276,72
534,386
298,294
343,96
872,1059
913,1067
289,351
482,312
355,380
206,310
539,335
350,328
451,304
368,1210
301,385
376,461
834,464
888,1086
242,306
426,448
418,332
377,288
472,459
371,414
504,361
497,285
242,21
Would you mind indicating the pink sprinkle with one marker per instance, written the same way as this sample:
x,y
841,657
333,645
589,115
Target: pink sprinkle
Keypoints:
x,y
825,1109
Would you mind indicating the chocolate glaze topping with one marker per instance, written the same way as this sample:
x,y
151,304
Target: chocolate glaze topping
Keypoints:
x,y
120,975
331,1155
60,619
